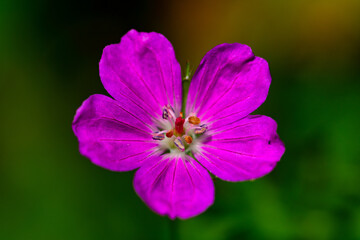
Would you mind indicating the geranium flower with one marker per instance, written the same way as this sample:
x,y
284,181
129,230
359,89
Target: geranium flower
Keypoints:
x,y
142,126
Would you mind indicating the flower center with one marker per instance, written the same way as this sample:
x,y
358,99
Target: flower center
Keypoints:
x,y
182,133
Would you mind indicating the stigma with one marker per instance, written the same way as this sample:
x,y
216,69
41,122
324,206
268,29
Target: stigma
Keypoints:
x,y
179,126
181,133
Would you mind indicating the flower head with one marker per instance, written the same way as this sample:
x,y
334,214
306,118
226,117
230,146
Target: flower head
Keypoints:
x,y
142,126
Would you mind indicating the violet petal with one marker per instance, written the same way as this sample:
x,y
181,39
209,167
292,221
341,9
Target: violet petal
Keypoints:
x,y
246,150
143,68
229,84
110,135
177,187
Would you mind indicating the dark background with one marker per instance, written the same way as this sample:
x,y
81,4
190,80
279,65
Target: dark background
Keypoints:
x,y
49,54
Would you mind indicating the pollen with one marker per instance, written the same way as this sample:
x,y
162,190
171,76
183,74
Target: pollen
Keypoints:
x,y
194,120
170,133
188,139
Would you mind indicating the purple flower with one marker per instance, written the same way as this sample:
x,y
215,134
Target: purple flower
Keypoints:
x,y
142,127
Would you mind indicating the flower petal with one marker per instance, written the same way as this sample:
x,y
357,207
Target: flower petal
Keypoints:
x,y
229,84
112,136
143,68
174,186
246,150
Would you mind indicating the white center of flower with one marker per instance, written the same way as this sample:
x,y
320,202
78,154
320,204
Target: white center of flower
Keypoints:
x,y
179,134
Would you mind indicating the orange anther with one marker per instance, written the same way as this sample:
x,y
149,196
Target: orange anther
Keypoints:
x,y
181,115
194,120
188,139
170,133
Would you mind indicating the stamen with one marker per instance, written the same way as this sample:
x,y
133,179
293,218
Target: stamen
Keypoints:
x,y
170,133
179,144
201,129
171,111
158,136
170,107
165,113
188,139
194,120
183,130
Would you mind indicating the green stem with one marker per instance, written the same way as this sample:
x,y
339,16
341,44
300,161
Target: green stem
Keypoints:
x,y
174,229
185,91
185,86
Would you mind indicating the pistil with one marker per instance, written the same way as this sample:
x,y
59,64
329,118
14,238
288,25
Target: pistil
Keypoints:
x,y
179,126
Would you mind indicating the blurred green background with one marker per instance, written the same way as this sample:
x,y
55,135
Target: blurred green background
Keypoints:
x,y
49,54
